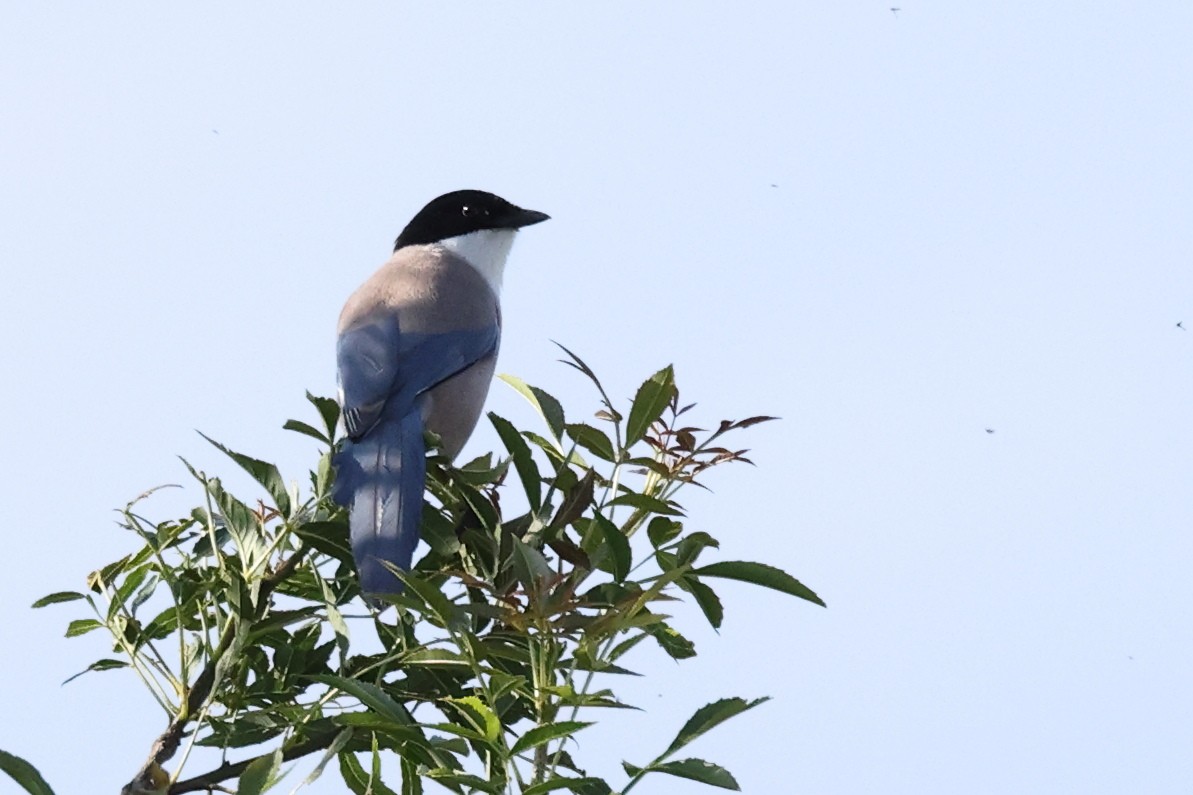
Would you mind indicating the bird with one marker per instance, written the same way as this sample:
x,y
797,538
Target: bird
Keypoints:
x,y
416,349
989,430
1181,325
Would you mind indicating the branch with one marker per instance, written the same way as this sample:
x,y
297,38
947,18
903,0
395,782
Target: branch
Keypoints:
x,y
167,743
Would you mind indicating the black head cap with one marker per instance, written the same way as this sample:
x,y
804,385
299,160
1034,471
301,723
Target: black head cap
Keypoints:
x,y
461,212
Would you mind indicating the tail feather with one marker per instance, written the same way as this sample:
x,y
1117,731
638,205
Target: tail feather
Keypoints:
x,y
380,478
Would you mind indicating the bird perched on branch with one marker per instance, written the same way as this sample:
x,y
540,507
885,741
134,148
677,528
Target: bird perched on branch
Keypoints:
x,y
416,351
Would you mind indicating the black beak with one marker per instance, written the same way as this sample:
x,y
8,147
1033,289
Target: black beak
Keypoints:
x,y
520,218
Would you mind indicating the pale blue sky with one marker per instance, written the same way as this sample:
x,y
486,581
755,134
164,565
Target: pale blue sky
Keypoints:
x,y
894,232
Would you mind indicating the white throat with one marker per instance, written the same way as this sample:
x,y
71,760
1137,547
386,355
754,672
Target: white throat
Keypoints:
x,y
486,250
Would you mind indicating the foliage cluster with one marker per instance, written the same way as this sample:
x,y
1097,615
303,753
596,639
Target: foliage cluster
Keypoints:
x,y
501,649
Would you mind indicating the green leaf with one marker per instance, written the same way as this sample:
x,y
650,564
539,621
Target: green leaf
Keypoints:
x,y
661,530
708,717
706,598
482,718
301,427
547,406
24,774
81,626
644,502
260,774
330,538
650,402
546,733
529,564
449,777
592,440
619,556
99,665
528,472
760,574
431,596
371,696
698,770
675,644
581,786
263,472
57,597
329,410
337,744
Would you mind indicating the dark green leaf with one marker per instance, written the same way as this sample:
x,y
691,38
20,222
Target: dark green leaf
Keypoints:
x,y
329,410
759,574
371,696
650,402
303,428
648,504
691,546
528,473
675,644
529,564
617,548
330,538
24,774
447,777
707,717
578,499
592,440
706,598
263,472
580,786
258,776
699,770
661,530
546,733
59,596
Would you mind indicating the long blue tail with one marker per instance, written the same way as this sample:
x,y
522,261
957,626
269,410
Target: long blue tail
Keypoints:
x,y
380,479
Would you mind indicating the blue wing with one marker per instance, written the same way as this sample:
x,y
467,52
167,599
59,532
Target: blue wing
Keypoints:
x,y
381,469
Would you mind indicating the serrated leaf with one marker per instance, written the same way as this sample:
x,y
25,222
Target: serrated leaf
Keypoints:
x,y
706,598
263,472
332,751
546,405
708,717
652,399
699,770
760,574
592,440
259,775
528,472
546,733
371,696
483,719
24,774
581,786
57,598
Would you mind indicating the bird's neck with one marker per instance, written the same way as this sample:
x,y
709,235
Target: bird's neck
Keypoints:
x,y
486,251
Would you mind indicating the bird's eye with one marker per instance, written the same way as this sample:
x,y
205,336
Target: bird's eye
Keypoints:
x,y
466,210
